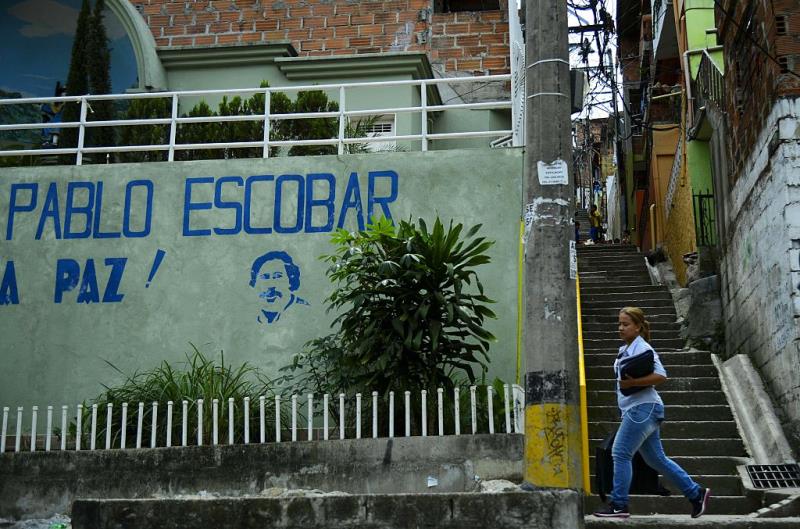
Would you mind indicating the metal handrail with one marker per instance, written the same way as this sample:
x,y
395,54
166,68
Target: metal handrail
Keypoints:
x,y
174,120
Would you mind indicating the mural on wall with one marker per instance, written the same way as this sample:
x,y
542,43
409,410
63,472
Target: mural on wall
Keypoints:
x,y
275,278
129,264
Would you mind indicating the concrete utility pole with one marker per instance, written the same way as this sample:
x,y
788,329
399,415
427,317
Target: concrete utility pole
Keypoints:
x,y
552,411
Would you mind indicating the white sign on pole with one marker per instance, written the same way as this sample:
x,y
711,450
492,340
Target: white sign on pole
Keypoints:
x,y
555,173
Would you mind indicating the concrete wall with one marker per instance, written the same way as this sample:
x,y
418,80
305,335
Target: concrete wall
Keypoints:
x,y
761,267
541,509
61,320
41,484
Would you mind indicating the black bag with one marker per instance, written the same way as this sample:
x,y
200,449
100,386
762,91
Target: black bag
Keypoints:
x,y
636,366
645,478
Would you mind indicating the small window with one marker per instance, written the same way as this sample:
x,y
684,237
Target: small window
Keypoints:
x,y
780,24
376,127
453,6
784,63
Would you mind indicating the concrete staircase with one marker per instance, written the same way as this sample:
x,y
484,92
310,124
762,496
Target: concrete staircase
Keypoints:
x,y
582,216
699,432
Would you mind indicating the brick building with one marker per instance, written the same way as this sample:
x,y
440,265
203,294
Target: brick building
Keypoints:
x,y
756,156
469,37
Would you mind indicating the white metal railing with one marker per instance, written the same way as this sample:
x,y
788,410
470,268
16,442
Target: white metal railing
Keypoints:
x,y
673,179
318,415
342,115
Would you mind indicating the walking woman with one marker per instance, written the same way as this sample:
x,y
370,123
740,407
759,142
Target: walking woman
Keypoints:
x,y
642,413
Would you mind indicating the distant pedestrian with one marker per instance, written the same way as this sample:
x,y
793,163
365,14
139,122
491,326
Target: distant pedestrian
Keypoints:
x,y
595,223
577,232
642,414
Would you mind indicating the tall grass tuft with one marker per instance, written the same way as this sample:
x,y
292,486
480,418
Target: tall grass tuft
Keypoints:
x,y
199,377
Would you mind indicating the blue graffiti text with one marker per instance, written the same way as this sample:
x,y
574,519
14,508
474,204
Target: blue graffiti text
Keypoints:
x,y
9,295
69,276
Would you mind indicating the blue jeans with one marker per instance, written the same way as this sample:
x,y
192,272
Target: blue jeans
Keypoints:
x,y
639,431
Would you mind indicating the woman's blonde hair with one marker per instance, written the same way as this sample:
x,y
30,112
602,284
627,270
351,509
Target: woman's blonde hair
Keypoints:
x,y
637,316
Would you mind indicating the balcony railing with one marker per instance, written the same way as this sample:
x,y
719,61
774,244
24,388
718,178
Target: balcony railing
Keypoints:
x,y
174,120
708,87
673,179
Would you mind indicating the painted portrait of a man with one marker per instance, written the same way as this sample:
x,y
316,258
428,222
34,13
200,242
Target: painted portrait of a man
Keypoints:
x,y
276,279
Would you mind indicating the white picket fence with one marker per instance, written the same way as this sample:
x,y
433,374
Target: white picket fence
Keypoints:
x,y
316,421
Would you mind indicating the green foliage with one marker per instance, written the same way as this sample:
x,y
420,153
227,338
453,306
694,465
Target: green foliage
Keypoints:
x,y
201,378
98,65
78,74
150,108
313,128
412,311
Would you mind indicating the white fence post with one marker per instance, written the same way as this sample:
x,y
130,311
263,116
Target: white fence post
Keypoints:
x,y
424,413
173,128
78,424
440,409
109,418
49,431
262,421
358,415
325,404
489,391
184,422
341,415
64,410
374,414
168,442
247,420
310,416
457,410
277,418
423,94
154,425
139,424
408,413
81,132
294,417
267,127
473,401
93,427
214,422
199,422
507,404
124,429
34,420
3,431
231,418
391,414
342,118
18,444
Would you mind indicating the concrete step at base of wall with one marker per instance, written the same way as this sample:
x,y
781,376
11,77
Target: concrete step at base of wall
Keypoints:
x,y
698,430
691,447
640,505
664,521
672,412
672,384
708,397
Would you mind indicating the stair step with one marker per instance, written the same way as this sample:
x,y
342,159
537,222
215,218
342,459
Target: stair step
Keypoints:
x,y
668,359
696,465
609,248
674,371
611,314
699,430
611,327
726,485
677,504
672,384
611,318
672,412
701,397
618,302
657,343
590,298
615,290
690,447
664,521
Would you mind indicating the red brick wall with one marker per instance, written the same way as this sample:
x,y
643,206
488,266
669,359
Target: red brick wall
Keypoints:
x,y
753,81
473,42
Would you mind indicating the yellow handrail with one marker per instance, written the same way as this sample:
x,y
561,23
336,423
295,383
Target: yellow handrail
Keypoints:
x,y
582,383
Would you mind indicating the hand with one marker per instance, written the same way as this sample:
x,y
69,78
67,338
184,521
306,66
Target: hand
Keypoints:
x,y
627,382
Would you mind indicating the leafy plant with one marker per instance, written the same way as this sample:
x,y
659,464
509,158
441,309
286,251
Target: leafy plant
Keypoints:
x,y
412,315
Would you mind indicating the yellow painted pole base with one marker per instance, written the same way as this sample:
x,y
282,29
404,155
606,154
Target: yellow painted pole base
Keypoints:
x,y
553,445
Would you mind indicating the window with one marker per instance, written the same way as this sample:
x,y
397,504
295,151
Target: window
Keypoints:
x,y
453,6
780,24
379,126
